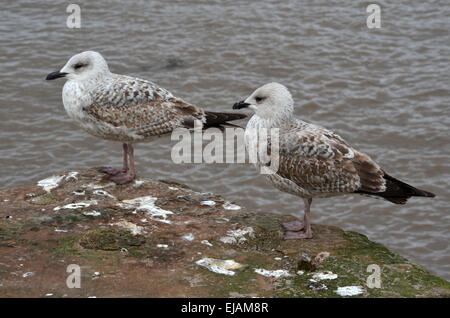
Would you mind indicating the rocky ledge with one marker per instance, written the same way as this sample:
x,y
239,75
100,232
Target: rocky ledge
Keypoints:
x,y
163,239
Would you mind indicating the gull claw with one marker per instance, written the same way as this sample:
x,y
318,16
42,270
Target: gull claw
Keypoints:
x,y
293,226
112,171
123,178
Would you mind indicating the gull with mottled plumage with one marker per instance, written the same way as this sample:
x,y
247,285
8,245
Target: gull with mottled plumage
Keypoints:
x,y
124,108
314,162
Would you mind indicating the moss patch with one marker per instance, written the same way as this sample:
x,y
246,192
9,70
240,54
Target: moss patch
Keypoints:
x,y
44,199
110,239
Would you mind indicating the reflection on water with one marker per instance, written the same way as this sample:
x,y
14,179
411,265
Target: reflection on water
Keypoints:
x,y
384,90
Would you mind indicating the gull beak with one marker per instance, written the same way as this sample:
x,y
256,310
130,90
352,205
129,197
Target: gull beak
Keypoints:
x,y
240,105
55,75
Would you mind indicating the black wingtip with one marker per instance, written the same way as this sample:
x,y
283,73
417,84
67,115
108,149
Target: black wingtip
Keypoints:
x,y
214,119
423,193
399,192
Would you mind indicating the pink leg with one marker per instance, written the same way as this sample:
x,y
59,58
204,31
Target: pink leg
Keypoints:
x,y
127,175
115,171
125,158
296,235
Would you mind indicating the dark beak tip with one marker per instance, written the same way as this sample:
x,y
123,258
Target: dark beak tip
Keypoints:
x,y
240,105
55,75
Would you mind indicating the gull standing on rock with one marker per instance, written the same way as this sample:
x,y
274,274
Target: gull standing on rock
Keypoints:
x,y
315,162
125,109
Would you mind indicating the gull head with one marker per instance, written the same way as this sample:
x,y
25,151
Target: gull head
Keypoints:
x,y
272,100
81,66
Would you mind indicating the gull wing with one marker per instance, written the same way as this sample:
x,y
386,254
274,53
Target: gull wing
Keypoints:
x,y
141,107
320,161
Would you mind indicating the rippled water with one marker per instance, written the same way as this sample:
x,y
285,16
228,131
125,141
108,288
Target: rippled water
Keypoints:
x,y
384,90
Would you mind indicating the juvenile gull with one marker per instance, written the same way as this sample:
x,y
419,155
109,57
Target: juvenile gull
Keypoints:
x,y
125,109
315,162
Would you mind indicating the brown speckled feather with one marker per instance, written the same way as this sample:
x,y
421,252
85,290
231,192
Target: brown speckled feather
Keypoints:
x,y
152,118
137,108
312,161
321,163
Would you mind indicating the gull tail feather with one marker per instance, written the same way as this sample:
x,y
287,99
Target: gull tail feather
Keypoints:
x,y
399,192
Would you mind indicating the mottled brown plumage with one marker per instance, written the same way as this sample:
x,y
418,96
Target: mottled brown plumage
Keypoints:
x,y
125,109
313,161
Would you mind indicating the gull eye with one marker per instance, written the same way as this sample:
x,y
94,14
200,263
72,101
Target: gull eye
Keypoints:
x,y
78,66
258,99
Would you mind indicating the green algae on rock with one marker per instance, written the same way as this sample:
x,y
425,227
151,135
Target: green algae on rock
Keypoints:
x,y
152,233
110,239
